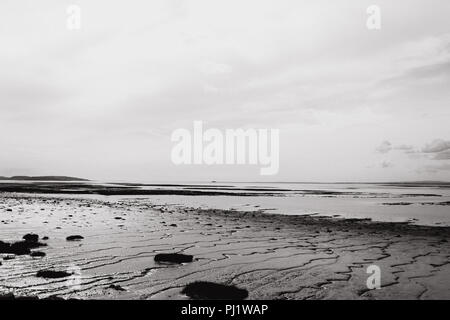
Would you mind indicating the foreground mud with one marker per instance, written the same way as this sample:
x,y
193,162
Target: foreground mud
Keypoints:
x,y
271,256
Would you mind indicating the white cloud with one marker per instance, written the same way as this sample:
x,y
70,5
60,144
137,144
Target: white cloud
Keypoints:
x,y
384,147
437,145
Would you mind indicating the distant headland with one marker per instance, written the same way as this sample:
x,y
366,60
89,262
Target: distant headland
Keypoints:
x,y
42,178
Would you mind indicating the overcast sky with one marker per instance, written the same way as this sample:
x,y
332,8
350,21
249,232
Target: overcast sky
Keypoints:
x,y
101,102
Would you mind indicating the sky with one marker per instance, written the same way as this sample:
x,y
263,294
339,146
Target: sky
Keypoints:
x,y
101,102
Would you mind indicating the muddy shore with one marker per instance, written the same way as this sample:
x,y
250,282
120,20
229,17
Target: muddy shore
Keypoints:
x,y
270,256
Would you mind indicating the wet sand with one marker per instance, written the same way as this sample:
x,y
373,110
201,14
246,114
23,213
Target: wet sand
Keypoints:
x,y
271,256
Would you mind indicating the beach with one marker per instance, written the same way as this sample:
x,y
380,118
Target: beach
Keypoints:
x,y
271,256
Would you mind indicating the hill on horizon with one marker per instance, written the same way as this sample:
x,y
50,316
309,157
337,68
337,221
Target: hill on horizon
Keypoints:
x,y
43,178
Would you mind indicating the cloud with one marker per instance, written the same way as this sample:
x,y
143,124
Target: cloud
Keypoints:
x,y
437,149
384,147
405,147
445,155
437,145
386,164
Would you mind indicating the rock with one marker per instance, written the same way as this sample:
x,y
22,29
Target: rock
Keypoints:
x,y
20,247
51,274
172,225
116,287
214,291
8,296
45,238
37,254
4,246
31,237
173,257
74,238
11,296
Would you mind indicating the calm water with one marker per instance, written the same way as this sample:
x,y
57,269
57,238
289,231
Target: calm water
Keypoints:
x,y
347,200
355,200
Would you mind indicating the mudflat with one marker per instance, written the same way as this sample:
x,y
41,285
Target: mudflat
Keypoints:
x,y
114,242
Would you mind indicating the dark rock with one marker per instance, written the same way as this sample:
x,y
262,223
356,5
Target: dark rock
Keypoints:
x,y
31,245
55,298
31,237
74,238
214,291
173,257
172,225
51,274
37,254
397,203
116,287
20,247
11,296
45,238
8,296
4,247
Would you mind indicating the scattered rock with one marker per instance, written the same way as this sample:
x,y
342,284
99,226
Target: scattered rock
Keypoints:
x,y
51,274
214,291
173,257
74,238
